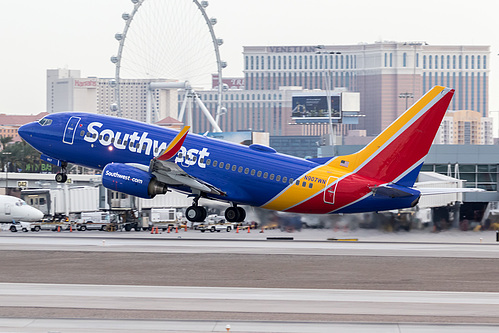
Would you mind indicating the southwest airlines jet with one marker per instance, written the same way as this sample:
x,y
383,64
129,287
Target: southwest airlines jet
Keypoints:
x,y
145,160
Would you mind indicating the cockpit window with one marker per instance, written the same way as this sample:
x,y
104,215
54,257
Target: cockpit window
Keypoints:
x,y
45,121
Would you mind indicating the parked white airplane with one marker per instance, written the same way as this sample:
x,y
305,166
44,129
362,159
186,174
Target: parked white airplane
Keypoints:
x,y
15,209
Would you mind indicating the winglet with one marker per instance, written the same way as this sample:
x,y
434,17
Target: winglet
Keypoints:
x,y
174,145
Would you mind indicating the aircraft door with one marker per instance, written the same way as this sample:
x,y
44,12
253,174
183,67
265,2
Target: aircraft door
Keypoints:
x,y
330,190
7,209
69,132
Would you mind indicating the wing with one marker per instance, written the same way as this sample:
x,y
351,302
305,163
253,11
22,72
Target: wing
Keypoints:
x,y
169,173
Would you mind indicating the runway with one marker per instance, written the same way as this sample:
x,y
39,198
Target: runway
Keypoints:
x,y
136,282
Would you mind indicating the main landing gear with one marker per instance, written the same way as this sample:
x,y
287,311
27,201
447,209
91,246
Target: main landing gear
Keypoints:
x,y
235,214
62,177
196,213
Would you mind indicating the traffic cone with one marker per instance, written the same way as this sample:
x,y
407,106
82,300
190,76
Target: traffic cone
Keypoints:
x,y
261,231
185,227
152,230
70,228
249,228
168,229
237,231
58,228
157,230
176,229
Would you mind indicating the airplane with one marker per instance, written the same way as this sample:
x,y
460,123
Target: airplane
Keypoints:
x,y
15,209
145,160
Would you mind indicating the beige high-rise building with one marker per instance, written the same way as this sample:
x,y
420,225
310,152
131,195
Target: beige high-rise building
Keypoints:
x,y
67,91
388,75
465,127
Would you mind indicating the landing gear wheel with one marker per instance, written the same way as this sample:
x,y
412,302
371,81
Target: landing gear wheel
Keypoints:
x,y
61,177
232,214
235,214
242,214
196,214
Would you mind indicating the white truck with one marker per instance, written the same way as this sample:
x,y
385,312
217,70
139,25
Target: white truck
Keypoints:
x,y
96,221
214,223
22,226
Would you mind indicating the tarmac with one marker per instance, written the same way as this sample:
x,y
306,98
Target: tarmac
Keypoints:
x,y
307,281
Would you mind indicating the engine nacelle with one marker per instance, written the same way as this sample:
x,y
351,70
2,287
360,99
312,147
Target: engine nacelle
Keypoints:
x,y
130,180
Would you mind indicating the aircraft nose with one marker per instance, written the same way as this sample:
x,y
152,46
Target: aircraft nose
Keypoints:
x,y
25,131
36,214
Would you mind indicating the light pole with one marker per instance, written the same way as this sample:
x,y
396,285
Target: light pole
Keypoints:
x,y
406,95
332,134
6,169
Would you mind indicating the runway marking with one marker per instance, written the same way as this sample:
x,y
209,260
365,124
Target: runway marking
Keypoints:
x,y
257,300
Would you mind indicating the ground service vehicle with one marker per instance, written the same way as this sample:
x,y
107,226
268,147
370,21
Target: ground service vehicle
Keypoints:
x,y
96,221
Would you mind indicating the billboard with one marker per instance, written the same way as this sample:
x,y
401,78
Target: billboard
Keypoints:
x,y
314,107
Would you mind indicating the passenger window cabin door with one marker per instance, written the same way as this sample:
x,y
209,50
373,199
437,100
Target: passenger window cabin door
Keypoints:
x,y
69,132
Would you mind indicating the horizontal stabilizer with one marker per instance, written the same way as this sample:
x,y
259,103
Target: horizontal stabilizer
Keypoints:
x,y
434,191
391,192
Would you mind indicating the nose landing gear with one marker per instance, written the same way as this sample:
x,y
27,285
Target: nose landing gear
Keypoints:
x,y
62,177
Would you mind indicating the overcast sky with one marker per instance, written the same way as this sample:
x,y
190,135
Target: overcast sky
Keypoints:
x,y
79,34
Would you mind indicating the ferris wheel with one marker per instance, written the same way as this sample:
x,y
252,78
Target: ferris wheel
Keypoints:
x,y
172,43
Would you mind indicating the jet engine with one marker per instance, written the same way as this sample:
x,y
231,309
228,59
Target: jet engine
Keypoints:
x,y
130,180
